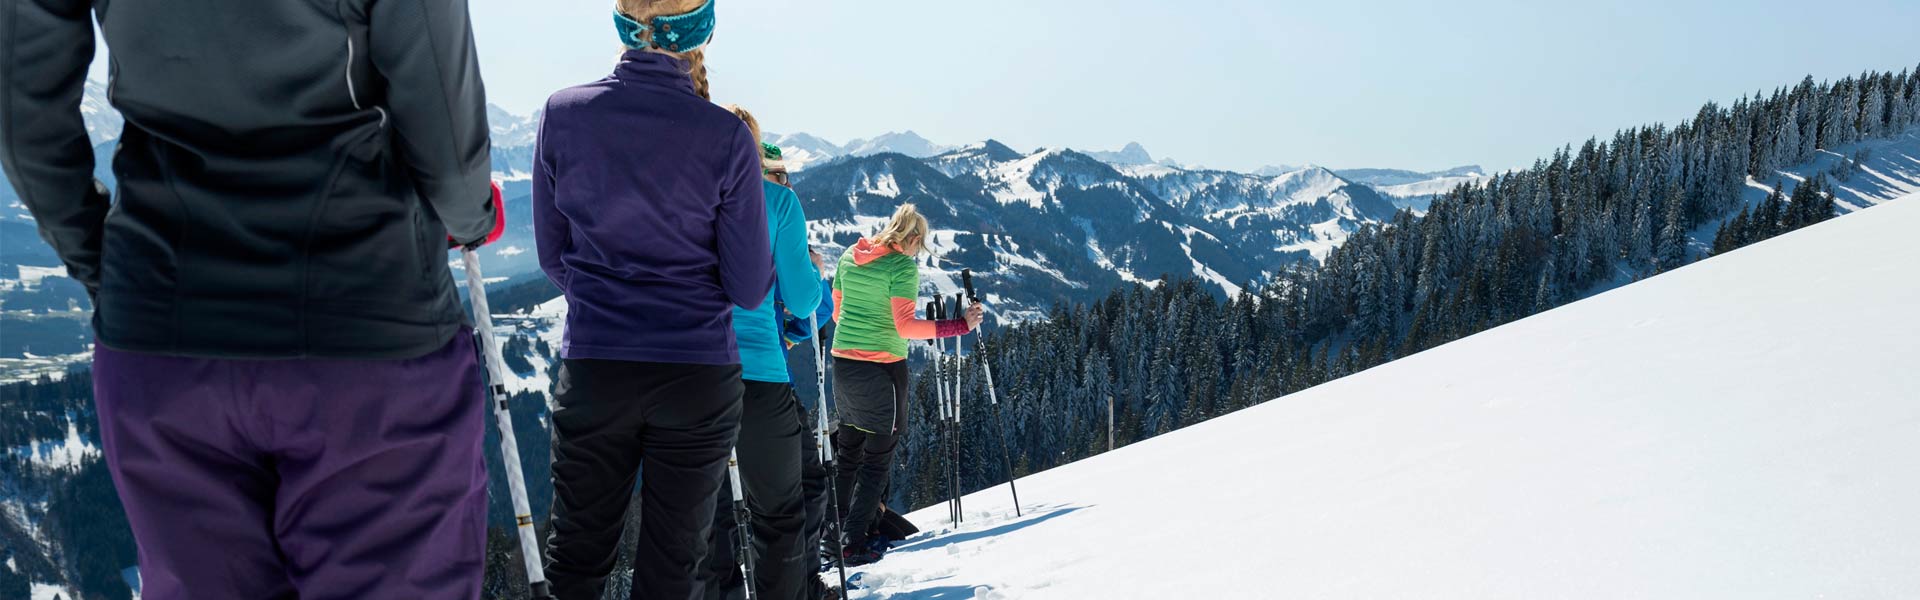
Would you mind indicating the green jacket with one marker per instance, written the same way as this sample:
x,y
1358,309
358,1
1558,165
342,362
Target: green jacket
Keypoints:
x,y
874,291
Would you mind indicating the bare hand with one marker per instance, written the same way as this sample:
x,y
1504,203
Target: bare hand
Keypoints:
x,y
975,314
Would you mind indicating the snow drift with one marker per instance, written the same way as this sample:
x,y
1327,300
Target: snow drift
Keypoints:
x,y
1745,427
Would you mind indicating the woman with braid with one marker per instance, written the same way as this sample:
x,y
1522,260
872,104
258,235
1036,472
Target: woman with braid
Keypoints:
x,y
650,215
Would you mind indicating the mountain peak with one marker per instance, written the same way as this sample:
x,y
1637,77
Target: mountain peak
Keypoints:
x,y
511,130
496,114
1132,154
994,145
1272,170
1319,171
992,150
906,142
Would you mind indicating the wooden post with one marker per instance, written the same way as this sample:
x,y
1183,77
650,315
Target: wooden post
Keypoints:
x,y
1109,422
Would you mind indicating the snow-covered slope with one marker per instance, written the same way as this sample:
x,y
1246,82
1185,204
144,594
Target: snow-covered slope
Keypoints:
x,y
1392,177
1745,427
1415,190
1420,194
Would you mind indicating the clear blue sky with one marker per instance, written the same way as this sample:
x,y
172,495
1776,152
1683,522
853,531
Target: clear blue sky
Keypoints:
x,y
1233,84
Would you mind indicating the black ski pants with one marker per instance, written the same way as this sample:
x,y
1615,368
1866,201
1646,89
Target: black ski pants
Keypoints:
x,y
865,458
776,447
614,421
813,486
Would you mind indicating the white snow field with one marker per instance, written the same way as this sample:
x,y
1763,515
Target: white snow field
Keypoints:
x,y
1746,427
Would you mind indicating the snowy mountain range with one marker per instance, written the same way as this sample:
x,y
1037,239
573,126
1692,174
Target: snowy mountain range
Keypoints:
x,y
804,149
510,130
1059,225
1041,227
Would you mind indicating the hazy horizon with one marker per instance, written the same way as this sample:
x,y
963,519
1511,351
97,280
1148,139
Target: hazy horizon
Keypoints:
x,y
1228,84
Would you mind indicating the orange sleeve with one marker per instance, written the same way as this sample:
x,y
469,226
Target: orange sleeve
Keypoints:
x,y
837,303
909,327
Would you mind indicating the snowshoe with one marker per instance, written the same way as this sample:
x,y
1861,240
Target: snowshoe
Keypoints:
x,y
892,525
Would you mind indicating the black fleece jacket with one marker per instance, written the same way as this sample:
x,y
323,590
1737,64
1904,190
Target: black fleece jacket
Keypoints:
x,y
288,177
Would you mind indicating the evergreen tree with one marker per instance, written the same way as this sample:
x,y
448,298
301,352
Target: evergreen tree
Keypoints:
x,y
1850,113
1640,241
1836,119
1873,109
1766,220
1786,136
1723,239
1673,232
1742,226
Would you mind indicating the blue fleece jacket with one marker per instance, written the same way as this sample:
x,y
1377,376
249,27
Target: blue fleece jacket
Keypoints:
x,y
763,355
649,214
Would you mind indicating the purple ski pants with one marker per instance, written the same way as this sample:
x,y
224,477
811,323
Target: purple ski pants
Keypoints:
x,y
308,479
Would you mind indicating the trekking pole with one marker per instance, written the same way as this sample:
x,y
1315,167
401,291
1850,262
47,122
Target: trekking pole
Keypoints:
x,y
959,423
509,448
966,280
955,435
953,414
827,458
935,312
742,522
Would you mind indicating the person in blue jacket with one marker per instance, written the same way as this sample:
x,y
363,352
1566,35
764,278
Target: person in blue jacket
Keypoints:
x,y
773,434
650,216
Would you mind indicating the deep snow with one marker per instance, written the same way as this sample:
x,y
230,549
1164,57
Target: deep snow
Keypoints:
x,y
1745,427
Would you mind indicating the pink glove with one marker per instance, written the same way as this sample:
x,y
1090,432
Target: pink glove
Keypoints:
x,y
499,223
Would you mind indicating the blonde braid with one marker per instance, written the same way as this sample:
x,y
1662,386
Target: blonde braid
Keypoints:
x,y
644,11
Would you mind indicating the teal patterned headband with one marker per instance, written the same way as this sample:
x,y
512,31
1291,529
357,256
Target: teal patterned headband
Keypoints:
x,y
676,33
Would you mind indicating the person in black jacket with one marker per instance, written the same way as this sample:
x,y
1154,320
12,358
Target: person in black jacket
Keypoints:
x,y
288,400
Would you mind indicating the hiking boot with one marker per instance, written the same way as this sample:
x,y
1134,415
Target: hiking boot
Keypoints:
x,y
861,554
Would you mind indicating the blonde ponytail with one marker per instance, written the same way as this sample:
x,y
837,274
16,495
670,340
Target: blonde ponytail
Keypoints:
x,y
907,224
753,125
644,11
770,163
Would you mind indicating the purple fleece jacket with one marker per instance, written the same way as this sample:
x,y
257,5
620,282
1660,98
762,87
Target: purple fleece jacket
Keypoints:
x,y
649,214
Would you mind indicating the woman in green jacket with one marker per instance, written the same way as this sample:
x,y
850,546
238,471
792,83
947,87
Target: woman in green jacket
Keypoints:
x,y
874,292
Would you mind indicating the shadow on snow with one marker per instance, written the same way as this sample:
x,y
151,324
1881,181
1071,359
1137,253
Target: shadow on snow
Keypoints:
x,y
947,592
1036,518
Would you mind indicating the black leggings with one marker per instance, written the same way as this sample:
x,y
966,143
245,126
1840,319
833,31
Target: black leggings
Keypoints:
x,y
878,392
